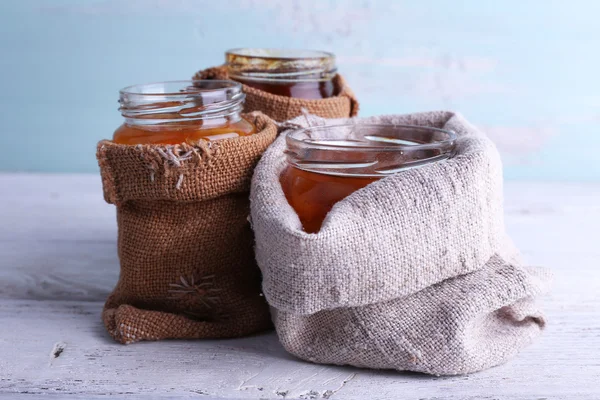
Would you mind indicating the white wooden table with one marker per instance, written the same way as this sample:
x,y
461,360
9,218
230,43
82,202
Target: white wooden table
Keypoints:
x,y
58,262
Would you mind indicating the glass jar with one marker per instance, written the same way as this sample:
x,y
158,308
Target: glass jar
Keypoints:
x,y
182,112
328,163
303,74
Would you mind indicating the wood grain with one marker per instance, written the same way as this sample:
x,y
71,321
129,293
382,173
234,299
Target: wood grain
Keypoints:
x,y
58,262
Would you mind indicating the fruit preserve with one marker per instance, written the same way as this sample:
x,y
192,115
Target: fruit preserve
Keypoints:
x,y
182,112
327,163
303,74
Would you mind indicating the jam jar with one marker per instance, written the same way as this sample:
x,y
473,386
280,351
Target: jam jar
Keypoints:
x,y
327,163
182,112
303,74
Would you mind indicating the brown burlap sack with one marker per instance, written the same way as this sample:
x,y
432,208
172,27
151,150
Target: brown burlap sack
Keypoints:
x,y
282,108
185,243
413,272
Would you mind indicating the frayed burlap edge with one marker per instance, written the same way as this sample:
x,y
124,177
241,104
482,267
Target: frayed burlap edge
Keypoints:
x,y
281,108
183,172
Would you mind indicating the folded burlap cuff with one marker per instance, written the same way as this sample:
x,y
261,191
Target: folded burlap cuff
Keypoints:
x,y
283,108
413,272
185,244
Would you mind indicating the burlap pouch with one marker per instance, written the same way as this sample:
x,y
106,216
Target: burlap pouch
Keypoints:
x,y
185,243
413,272
282,108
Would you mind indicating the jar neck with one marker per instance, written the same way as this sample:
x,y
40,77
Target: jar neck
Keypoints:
x,y
281,66
207,103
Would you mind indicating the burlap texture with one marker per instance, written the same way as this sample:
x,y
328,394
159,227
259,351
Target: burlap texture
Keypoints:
x,y
413,272
185,243
282,108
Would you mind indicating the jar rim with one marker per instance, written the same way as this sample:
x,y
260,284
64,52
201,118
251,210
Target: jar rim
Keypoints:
x,y
206,85
284,65
395,144
367,150
276,53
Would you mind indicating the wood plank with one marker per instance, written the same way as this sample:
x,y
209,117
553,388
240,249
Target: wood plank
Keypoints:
x,y
563,364
89,362
58,270
57,239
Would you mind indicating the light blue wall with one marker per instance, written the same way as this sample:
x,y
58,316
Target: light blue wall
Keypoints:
x,y
525,70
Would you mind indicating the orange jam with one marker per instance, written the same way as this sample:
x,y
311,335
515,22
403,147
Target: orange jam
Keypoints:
x,y
302,74
300,90
312,195
182,112
328,163
128,134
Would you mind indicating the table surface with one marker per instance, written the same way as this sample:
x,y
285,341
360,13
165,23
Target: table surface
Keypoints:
x,y
58,263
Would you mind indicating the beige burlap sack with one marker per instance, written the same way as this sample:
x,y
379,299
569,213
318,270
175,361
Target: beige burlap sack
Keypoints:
x,y
282,108
413,272
185,243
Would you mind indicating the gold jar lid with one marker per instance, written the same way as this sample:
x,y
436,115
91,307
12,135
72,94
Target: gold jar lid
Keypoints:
x,y
280,64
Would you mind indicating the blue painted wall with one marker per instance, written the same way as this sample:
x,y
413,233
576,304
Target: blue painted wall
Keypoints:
x,y
525,70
